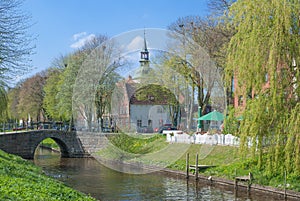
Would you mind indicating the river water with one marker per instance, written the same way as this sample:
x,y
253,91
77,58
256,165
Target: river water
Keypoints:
x,y
89,176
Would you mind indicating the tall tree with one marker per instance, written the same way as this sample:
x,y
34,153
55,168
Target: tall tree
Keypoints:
x,y
66,84
13,101
261,58
85,89
15,46
51,88
92,97
74,82
50,101
15,42
104,94
31,97
219,10
3,103
200,60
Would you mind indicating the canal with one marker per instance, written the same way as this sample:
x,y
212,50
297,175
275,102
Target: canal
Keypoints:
x,y
89,176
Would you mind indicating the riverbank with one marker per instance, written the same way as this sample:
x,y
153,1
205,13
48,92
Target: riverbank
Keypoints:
x,y
22,180
227,160
221,183
229,185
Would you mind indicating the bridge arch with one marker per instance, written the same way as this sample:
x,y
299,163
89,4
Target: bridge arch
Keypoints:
x,y
64,150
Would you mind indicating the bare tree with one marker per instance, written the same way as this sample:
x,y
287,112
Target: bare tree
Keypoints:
x,y
15,42
91,97
219,7
14,46
201,60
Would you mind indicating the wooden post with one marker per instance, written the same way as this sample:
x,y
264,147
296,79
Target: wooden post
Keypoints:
x,y
248,186
285,184
187,166
235,184
197,167
250,181
235,180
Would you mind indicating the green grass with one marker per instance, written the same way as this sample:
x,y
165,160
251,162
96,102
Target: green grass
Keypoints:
x,y
22,180
139,144
207,155
136,149
48,142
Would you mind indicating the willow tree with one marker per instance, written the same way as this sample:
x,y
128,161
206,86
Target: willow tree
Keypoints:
x,y
262,58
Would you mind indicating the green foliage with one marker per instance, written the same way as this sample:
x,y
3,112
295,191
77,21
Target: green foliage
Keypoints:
x,y
21,180
292,147
266,37
48,142
243,167
231,122
66,83
105,89
260,57
3,103
13,101
159,93
50,101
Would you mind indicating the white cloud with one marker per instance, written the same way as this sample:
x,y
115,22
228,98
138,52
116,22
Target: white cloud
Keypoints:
x,y
136,44
79,35
80,39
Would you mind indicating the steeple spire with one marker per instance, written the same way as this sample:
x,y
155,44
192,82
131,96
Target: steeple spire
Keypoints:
x,y
145,43
144,69
144,53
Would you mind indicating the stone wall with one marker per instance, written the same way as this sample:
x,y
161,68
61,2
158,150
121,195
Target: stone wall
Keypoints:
x,y
92,142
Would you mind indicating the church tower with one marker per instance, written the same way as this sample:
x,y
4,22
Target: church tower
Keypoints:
x,y
144,60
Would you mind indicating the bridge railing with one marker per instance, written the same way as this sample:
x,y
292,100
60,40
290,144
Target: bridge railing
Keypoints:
x,y
7,127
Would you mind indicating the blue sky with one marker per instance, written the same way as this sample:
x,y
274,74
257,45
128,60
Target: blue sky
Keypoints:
x,y
61,25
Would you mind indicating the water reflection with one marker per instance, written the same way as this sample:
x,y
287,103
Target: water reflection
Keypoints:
x,y
89,176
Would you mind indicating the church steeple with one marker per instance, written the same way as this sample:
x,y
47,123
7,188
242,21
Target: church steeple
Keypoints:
x,y
144,61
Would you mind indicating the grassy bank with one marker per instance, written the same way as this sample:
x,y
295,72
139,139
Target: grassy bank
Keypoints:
x,y
48,142
226,159
21,180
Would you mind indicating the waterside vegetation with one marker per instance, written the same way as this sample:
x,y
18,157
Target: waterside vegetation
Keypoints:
x,y
22,180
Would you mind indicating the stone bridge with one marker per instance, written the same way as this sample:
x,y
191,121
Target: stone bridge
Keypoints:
x,y
72,144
